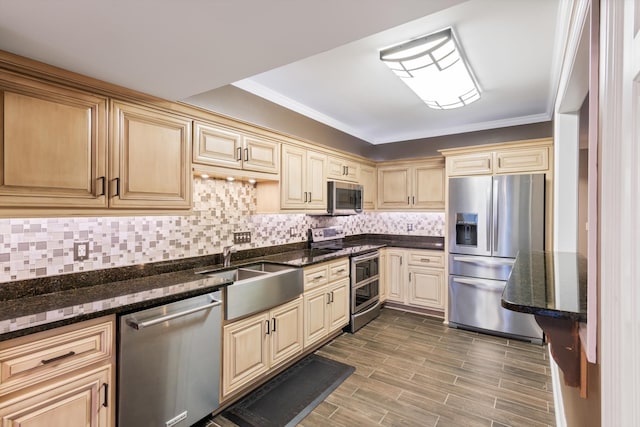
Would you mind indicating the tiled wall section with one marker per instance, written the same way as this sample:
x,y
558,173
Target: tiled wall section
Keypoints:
x,y
44,246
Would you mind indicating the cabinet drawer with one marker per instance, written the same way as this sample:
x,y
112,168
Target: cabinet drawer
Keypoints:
x,y
39,357
426,259
338,270
316,276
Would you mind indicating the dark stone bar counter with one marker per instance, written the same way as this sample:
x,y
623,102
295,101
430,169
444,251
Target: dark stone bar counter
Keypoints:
x,y
553,287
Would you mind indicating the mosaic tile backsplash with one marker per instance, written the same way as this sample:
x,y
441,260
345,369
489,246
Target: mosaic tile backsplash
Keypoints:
x,y
40,247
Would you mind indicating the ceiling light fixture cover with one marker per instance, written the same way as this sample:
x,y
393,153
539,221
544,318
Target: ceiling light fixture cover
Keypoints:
x,y
434,68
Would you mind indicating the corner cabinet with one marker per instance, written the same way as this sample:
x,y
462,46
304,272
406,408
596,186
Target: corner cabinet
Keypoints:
x,y
416,185
415,278
61,377
304,179
150,158
53,144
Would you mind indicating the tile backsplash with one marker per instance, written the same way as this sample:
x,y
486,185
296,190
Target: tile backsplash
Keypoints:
x,y
38,247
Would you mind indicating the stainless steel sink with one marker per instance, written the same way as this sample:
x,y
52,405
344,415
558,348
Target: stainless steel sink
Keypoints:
x,y
258,287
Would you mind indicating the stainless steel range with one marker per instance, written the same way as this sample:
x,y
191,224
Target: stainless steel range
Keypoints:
x,y
365,295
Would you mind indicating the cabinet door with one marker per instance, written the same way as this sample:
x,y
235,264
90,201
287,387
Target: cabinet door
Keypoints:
x,y
245,351
383,275
217,146
339,307
53,145
352,170
428,188
315,315
469,164
396,276
150,158
261,155
75,401
293,180
426,287
316,180
286,332
368,180
522,160
394,188
335,168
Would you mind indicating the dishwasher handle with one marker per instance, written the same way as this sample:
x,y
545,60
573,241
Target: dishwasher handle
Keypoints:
x,y
140,325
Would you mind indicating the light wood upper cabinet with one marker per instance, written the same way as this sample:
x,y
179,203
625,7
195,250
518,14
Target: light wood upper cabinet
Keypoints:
x,y
515,157
53,145
304,180
469,164
150,158
229,148
524,160
411,185
341,169
369,180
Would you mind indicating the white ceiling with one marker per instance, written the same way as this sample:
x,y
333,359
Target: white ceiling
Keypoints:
x,y
319,58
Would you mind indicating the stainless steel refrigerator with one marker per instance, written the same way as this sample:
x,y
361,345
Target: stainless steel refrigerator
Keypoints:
x,y
490,220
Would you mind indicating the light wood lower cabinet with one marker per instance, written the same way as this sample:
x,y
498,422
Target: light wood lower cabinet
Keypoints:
x,y
326,300
253,346
60,378
415,277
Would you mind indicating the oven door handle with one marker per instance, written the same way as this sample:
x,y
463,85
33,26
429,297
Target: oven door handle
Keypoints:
x,y
365,257
368,310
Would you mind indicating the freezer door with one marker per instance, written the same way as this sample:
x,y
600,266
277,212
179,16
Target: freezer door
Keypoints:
x,y
476,304
479,266
470,215
518,214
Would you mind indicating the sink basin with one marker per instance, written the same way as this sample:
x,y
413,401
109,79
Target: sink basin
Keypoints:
x,y
258,287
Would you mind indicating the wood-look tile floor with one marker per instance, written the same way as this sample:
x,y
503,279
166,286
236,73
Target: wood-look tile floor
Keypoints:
x,y
412,370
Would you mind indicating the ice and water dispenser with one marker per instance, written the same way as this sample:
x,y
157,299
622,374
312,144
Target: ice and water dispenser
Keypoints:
x,y
467,229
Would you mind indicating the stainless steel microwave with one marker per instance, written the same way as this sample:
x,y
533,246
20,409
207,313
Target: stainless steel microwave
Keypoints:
x,y
344,198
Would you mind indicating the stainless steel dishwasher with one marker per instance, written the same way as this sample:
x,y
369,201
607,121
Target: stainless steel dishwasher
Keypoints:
x,y
169,363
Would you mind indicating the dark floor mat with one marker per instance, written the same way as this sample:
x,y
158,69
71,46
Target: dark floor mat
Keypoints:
x,y
286,399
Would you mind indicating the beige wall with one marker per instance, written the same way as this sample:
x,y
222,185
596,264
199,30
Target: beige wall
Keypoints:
x,y
242,105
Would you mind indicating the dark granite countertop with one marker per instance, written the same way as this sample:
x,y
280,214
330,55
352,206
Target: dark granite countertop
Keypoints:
x,y
550,284
34,305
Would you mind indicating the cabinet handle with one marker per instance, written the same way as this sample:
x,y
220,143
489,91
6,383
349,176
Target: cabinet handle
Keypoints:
x,y
425,260
408,200
331,296
309,196
340,271
328,299
117,193
104,186
274,325
105,401
268,327
305,197
413,200
409,276
55,359
246,154
239,154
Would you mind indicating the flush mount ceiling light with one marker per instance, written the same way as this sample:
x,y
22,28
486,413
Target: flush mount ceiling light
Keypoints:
x,y
434,68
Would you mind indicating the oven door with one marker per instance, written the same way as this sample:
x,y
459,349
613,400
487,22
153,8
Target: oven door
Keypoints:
x,y
364,267
363,295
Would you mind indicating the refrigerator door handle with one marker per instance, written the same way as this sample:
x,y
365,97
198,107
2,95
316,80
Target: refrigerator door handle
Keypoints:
x,y
483,261
480,284
489,219
496,215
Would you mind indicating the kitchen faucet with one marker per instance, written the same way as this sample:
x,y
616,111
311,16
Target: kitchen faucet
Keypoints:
x,y
226,253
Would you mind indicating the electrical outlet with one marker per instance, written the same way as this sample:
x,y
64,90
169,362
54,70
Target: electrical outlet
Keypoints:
x,y
80,251
242,237
292,232
409,227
